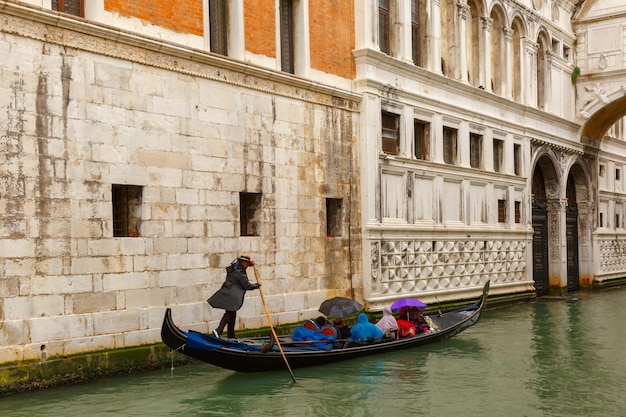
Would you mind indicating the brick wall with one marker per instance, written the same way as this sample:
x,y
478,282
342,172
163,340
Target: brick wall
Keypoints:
x,y
182,16
260,27
331,31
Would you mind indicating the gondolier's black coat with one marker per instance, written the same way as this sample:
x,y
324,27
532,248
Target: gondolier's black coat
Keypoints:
x,y
230,296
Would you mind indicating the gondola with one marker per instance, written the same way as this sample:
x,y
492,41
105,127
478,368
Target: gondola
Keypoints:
x,y
258,355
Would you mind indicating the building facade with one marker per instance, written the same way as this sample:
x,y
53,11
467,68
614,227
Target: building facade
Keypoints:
x,y
375,149
137,165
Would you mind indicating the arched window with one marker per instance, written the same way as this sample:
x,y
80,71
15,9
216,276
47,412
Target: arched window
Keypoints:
x,y
516,68
448,41
473,43
497,51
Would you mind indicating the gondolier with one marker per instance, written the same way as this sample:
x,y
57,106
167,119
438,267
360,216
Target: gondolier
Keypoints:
x,y
230,296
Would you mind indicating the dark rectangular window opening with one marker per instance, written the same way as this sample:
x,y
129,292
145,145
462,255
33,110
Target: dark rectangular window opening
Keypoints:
x,y
617,175
518,212
421,134
390,133
415,32
616,221
250,213
286,36
383,25
218,21
449,145
601,219
498,149
126,201
476,147
501,211
73,7
334,216
517,159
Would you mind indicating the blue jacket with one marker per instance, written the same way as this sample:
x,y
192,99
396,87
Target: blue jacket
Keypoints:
x,y
363,330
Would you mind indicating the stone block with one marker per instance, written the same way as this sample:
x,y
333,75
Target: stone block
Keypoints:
x,y
151,157
156,262
187,196
104,247
115,322
149,297
125,281
134,246
170,245
187,261
13,332
91,229
17,308
11,354
48,306
19,267
94,302
45,329
95,265
17,248
88,344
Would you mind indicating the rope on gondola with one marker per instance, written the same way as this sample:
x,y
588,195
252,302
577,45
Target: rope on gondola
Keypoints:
x,y
172,355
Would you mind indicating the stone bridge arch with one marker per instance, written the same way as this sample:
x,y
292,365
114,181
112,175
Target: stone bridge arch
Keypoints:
x,y
606,109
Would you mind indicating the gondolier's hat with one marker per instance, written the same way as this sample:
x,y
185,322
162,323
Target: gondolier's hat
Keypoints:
x,y
244,258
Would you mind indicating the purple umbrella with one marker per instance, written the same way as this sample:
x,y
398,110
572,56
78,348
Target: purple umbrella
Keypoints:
x,y
407,302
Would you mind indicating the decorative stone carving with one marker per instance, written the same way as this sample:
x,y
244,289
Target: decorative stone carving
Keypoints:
x,y
424,265
555,11
598,92
537,4
612,255
375,260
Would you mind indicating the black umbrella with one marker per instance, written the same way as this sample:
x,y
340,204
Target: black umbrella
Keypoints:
x,y
339,307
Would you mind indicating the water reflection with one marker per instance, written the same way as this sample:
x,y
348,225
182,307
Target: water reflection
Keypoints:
x,y
549,358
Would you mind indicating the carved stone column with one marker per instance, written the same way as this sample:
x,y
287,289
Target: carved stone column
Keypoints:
x,y
462,10
557,242
485,52
530,72
507,78
547,83
434,59
585,242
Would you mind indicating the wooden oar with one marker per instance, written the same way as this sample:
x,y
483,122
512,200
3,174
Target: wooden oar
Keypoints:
x,y
269,320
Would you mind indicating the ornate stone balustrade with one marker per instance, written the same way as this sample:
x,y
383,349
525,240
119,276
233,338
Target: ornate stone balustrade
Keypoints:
x,y
404,266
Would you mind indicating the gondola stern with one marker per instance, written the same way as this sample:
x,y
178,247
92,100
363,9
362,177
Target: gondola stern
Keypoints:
x,y
171,335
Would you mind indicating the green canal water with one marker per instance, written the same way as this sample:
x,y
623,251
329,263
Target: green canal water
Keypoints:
x,y
545,358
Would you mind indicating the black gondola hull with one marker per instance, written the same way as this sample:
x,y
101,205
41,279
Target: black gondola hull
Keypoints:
x,y
231,355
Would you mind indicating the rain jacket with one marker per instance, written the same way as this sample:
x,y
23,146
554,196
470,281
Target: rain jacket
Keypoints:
x,y
230,296
388,322
363,330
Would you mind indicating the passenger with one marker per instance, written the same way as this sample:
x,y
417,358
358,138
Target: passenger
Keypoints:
x,y
364,331
405,329
316,324
388,324
321,321
342,328
416,316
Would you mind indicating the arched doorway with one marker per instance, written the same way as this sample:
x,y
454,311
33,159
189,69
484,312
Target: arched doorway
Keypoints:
x,y
544,187
571,235
541,272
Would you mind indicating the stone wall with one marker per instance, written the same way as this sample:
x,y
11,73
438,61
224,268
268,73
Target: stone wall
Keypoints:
x,y
84,108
